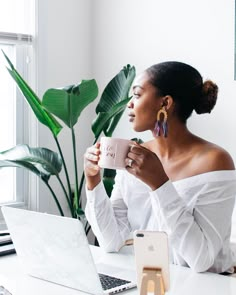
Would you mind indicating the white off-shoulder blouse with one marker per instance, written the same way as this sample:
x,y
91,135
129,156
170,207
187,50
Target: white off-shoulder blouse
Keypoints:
x,y
195,212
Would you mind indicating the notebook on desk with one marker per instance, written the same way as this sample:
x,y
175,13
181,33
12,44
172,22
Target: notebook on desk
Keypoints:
x,y
56,249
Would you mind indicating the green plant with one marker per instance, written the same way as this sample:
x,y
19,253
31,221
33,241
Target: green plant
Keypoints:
x,y
67,104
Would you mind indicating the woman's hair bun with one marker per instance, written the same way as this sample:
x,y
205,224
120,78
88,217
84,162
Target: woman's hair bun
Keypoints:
x,y
206,102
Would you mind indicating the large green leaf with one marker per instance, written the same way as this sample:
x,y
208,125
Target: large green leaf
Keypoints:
x,y
103,118
114,93
21,164
43,116
116,90
44,160
68,103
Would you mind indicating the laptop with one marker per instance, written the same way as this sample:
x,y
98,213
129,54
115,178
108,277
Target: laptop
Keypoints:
x,y
56,249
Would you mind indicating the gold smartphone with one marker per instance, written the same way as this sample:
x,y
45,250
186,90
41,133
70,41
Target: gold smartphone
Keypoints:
x,y
152,252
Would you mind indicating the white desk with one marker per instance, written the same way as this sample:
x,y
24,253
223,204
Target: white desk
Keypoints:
x,y
183,280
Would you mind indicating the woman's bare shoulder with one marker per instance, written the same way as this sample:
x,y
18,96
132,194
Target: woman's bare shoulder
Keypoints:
x,y
213,158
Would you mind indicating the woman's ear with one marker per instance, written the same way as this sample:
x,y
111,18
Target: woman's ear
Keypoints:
x,y
167,102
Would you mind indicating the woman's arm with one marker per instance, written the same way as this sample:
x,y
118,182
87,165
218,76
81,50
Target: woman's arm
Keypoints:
x,y
108,217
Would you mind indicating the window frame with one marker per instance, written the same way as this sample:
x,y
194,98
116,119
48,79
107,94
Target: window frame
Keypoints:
x,y
26,184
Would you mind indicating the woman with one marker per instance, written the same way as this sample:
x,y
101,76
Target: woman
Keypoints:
x,y
177,182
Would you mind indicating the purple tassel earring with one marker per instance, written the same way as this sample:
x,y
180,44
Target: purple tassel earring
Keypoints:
x,y
161,125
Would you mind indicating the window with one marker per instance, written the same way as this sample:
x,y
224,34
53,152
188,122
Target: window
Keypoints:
x,y
16,31
7,133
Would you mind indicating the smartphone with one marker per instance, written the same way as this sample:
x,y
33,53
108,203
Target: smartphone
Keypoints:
x,y
152,251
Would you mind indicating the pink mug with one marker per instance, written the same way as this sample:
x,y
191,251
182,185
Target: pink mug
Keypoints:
x,y
113,152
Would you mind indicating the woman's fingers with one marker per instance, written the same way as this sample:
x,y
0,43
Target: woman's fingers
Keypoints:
x,y
91,158
94,149
137,153
138,149
129,163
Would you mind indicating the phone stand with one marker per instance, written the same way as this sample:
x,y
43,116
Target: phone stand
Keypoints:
x,y
152,281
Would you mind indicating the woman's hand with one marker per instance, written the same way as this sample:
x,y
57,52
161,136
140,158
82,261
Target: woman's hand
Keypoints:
x,y
91,168
146,166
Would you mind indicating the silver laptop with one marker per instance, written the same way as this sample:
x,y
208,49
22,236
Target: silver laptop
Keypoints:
x,y
56,249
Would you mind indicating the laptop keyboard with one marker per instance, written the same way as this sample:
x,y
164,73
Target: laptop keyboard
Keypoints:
x,y
109,282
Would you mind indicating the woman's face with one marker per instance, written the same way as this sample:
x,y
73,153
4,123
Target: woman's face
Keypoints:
x,y
144,105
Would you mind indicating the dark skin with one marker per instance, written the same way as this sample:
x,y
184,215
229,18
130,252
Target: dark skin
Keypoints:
x,y
180,155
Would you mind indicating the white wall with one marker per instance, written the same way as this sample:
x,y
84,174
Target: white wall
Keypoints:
x,y
63,44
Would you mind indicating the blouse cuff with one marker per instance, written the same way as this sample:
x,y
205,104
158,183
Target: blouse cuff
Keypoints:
x,y
97,195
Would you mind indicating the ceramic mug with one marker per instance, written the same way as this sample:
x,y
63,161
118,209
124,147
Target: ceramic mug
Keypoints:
x,y
113,152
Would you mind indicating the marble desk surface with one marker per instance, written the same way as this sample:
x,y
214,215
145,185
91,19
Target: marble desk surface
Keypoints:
x,y
183,280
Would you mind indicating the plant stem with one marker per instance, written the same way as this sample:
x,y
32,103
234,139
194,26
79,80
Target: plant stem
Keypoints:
x,y
77,196
66,195
80,189
55,198
65,168
87,228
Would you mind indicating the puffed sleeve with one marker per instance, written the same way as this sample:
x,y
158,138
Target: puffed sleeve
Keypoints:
x,y
108,217
196,232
